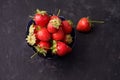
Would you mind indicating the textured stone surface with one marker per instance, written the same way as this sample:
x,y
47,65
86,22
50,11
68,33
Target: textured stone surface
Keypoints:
x,y
96,56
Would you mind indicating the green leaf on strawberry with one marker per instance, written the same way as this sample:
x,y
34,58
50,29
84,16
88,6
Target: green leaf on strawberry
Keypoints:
x,y
41,12
40,50
56,23
53,48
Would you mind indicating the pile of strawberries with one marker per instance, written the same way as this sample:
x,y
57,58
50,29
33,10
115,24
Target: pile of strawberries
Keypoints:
x,y
50,34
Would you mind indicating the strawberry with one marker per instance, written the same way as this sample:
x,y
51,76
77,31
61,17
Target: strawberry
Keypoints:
x,y
41,18
43,34
44,44
59,35
68,39
67,26
42,48
37,28
61,49
84,24
53,25
37,41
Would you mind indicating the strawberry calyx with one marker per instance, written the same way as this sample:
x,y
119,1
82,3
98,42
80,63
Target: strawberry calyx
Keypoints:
x,y
41,12
56,23
37,28
54,47
31,39
40,50
68,39
70,22
31,29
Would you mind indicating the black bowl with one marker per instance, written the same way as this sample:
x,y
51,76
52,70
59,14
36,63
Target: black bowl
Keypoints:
x,y
49,55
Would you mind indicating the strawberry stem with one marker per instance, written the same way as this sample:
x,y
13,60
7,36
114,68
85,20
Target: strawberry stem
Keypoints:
x,y
33,55
58,12
37,11
96,21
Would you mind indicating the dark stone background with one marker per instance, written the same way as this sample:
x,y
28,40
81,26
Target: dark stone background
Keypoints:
x,y
96,56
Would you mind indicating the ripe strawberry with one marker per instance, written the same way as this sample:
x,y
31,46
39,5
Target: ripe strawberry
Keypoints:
x,y
44,44
67,26
37,42
59,35
41,18
84,24
53,25
60,48
68,39
43,35
42,48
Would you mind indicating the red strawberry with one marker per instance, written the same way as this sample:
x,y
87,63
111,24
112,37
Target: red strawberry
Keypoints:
x,y
84,24
53,25
68,39
37,42
42,48
43,35
41,18
67,26
44,44
58,35
60,48
37,28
